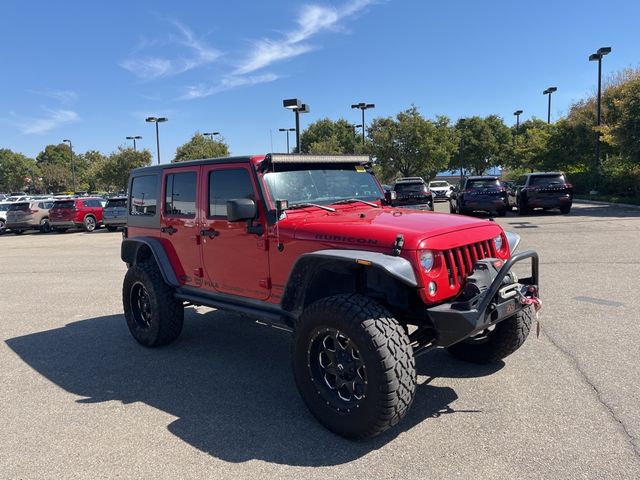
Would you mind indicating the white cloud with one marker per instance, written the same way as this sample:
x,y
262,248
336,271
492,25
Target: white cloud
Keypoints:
x,y
193,53
49,120
227,83
312,20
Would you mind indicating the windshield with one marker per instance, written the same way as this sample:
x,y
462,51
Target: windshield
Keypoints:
x,y
64,204
117,202
438,184
545,180
404,188
322,186
483,183
16,207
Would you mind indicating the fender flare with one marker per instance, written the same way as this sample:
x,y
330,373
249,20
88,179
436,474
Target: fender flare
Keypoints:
x,y
129,254
308,264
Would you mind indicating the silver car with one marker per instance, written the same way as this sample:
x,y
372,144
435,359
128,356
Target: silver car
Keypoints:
x,y
4,206
114,214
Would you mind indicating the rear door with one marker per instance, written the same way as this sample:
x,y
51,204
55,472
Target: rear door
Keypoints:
x,y
179,223
235,260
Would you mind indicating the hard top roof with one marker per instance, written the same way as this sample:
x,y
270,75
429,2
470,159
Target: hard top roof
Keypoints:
x,y
540,174
203,161
483,177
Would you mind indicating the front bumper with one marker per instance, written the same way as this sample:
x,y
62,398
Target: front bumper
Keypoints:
x,y
455,321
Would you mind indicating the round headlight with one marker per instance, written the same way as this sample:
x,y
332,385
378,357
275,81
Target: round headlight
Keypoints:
x,y
426,260
498,242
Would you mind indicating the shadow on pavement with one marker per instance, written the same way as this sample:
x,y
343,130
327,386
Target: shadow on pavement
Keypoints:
x,y
227,380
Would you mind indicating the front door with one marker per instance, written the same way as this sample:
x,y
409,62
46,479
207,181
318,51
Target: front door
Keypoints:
x,y
235,261
179,225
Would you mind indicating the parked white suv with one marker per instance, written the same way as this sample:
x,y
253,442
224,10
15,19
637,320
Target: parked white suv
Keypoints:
x,y
441,190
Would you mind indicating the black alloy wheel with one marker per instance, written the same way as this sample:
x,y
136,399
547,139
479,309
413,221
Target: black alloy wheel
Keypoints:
x,y
140,305
337,369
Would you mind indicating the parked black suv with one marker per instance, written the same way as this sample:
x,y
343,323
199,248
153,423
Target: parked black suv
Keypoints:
x,y
413,192
485,194
541,190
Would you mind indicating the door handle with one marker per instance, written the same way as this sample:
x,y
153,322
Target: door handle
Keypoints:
x,y
209,233
169,230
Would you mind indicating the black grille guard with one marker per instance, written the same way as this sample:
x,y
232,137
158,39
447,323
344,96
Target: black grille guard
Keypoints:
x,y
458,320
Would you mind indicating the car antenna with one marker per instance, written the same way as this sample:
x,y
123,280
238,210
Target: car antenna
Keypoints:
x,y
279,245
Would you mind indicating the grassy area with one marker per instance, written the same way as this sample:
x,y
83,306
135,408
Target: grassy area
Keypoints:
x,y
609,198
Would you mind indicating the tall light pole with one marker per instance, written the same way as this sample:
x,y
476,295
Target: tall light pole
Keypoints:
x,y
287,130
593,57
549,91
517,113
363,106
298,108
134,138
211,134
157,120
73,168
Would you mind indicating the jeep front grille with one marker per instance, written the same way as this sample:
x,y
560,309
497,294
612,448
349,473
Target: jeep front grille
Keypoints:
x,y
459,261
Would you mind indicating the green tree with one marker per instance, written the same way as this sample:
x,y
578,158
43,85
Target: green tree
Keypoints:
x,y
530,145
93,165
201,147
113,173
328,136
484,143
410,145
55,164
14,168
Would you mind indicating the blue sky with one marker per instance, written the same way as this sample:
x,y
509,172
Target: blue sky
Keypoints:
x,y
92,71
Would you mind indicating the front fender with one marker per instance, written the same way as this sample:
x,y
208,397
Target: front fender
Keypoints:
x,y
130,249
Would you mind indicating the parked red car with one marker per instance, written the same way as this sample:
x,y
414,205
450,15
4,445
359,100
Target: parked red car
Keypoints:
x,y
85,213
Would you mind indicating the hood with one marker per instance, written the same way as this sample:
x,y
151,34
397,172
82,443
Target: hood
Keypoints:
x,y
379,227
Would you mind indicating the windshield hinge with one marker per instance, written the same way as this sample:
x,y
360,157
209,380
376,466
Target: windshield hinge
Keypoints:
x,y
397,245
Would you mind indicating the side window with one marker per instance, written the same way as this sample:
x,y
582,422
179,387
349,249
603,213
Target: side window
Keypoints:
x,y
180,194
41,205
87,203
225,185
143,195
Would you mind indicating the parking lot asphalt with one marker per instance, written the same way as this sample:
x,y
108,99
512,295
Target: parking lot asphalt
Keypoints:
x,y
79,398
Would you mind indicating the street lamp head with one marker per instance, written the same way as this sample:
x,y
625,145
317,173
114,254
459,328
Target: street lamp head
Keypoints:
x,y
151,119
604,51
162,119
292,104
370,105
594,56
518,112
66,140
304,108
137,137
552,89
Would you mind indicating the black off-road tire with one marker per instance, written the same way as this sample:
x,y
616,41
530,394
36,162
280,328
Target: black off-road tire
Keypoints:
x,y
44,226
384,351
565,210
507,337
165,317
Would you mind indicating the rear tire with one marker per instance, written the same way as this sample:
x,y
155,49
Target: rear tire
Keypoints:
x,y
502,213
565,210
2,227
353,365
153,314
523,208
507,337
89,224
44,225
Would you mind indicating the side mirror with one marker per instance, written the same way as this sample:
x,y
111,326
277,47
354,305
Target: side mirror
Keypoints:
x,y
241,209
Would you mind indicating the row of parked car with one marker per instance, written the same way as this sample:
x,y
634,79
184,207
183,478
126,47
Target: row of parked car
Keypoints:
x,y
542,190
19,213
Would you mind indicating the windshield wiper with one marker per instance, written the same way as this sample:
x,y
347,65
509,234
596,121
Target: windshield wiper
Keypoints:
x,y
351,200
304,205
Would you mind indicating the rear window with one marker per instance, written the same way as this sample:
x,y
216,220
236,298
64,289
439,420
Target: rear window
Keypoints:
x,y
144,196
484,183
410,187
438,184
545,180
64,204
17,207
117,203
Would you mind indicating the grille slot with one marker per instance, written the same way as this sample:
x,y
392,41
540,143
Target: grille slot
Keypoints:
x,y
459,261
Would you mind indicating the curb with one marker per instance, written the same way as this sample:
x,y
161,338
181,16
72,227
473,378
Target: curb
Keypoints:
x,y
610,204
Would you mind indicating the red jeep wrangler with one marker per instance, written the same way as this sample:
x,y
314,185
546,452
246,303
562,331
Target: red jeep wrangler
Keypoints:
x,y
310,242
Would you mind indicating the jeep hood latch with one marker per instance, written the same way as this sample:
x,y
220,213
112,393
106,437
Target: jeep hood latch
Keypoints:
x,y
397,245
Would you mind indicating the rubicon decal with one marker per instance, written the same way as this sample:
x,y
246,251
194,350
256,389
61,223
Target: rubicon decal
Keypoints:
x,y
340,238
